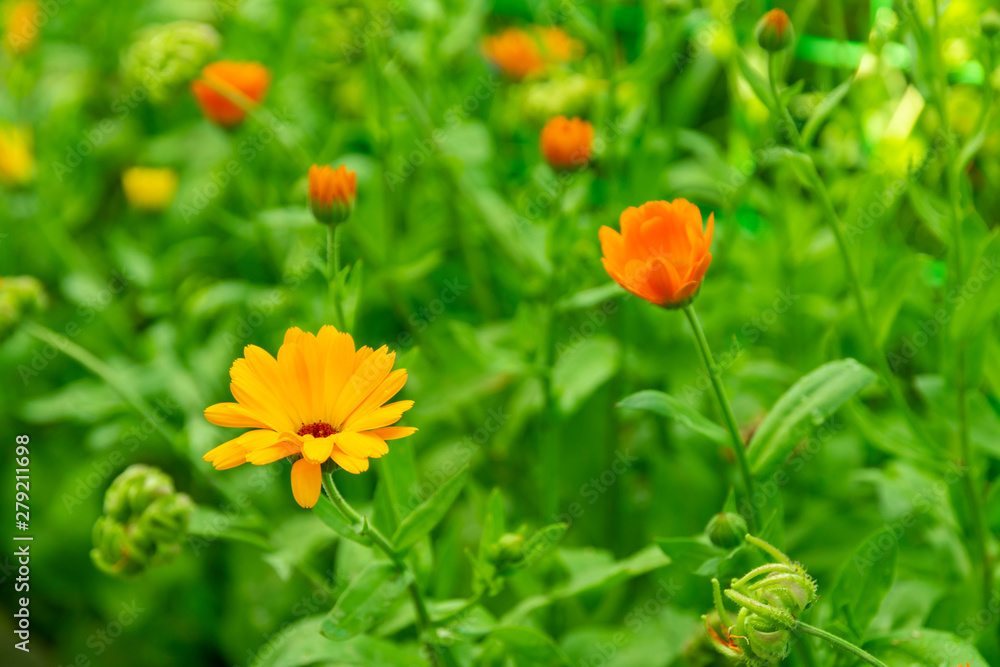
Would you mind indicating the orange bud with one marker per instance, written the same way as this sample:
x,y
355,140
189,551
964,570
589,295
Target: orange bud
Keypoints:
x,y
332,193
566,143
515,52
662,253
774,31
227,89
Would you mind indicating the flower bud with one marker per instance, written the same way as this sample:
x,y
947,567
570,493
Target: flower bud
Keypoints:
x,y
165,57
507,553
332,193
726,530
774,31
20,296
990,22
144,522
566,143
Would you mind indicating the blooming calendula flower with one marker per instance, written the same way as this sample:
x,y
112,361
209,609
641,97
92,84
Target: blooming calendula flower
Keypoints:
x,y
522,53
662,252
566,142
149,188
22,21
225,79
320,401
332,193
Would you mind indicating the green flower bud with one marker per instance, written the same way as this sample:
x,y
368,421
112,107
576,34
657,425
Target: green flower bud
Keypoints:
x,y
774,31
726,530
20,296
507,553
165,57
990,22
145,520
766,641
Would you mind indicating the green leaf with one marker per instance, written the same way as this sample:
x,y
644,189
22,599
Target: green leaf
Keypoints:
x,y
670,407
924,647
329,515
824,109
692,554
421,521
543,540
367,599
896,287
863,582
530,645
493,523
806,405
758,82
581,368
301,644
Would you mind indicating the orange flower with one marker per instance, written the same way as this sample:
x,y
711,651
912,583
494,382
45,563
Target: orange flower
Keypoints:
x,y
320,402
224,81
662,253
559,47
332,193
515,52
22,26
566,143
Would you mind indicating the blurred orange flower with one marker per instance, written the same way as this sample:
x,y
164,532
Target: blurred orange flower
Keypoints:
x,y
662,252
522,53
332,193
566,142
226,80
320,402
22,26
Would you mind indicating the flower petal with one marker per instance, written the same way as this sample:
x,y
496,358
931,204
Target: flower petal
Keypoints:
x,y
317,449
349,463
307,479
233,414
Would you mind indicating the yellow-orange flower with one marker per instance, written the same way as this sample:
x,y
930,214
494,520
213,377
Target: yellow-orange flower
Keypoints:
x,y
320,400
332,193
149,188
662,252
522,53
22,26
566,142
17,158
515,52
223,81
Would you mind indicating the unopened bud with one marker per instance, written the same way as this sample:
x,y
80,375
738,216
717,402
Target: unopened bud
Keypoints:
x,y
726,530
507,553
774,31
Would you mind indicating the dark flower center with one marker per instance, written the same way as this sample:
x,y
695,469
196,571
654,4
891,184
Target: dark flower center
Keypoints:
x,y
317,430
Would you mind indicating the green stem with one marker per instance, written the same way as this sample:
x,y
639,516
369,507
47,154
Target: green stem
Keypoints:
x,y
853,279
720,392
386,547
332,272
976,517
857,652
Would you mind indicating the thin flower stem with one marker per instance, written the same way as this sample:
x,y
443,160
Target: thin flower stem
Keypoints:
x,y
332,271
386,547
953,169
853,279
857,652
720,392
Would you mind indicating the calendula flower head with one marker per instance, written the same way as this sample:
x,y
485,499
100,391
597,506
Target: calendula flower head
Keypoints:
x,y
321,403
332,193
227,88
523,53
144,522
566,143
149,189
770,598
662,252
774,31
21,23
165,57
17,157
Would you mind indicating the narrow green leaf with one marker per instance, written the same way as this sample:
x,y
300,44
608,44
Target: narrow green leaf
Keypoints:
x,y
758,82
421,521
529,645
329,515
670,407
367,599
805,406
581,368
824,109
924,646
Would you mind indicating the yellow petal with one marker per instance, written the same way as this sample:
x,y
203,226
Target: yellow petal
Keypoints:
x,y
384,416
339,367
361,445
365,379
388,388
266,368
306,482
266,455
317,449
349,463
233,414
393,432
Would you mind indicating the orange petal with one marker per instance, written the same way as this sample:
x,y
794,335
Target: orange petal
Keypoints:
x,y
387,415
317,449
349,463
307,479
233,414
393,432
276,452
361,445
